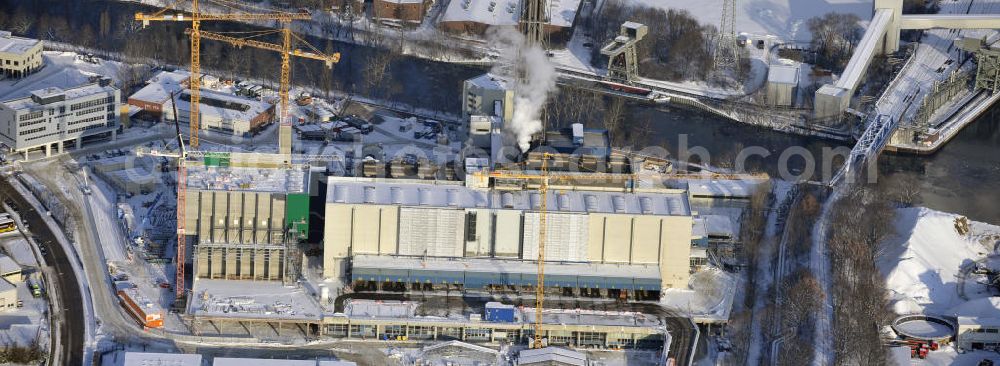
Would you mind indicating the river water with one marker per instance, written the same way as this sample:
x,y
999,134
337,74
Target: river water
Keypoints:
x,y
963,177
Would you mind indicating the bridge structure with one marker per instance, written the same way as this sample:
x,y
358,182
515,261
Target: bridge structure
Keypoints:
x,y
882,37
935,59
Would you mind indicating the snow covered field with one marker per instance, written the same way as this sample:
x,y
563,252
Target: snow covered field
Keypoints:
x,y
62,70
785,19
923,265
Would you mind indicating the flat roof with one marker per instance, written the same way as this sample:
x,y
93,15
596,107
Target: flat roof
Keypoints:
x,y
71,94
349,190
137,175
551,354
783,74
489,80
228,361
252,299
507,12
160,87
255,107
247,179
14,44
981,321
8,265
161,359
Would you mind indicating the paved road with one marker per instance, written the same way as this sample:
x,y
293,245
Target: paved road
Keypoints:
x,y
72,323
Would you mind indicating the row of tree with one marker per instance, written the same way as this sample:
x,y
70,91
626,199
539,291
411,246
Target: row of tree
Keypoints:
x,y
677,47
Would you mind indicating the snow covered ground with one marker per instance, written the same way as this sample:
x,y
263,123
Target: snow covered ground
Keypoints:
x,y
62,70
785,19
923,265
708,298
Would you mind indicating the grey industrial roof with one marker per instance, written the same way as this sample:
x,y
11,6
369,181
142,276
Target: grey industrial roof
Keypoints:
x,y
8,265
446,195
783,74
551,354
981,321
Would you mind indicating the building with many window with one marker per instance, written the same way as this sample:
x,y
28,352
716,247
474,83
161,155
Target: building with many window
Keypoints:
x,y
19,56
403,232
400,11
54,117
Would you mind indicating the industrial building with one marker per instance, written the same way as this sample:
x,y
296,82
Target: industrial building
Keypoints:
x,y
400,11
488,95
225,113
976,333
53,117
782,84
439,233
154,97
241,210
475,16
19,56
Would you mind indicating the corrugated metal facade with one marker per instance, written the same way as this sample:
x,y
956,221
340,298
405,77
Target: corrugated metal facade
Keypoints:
x,y
451,232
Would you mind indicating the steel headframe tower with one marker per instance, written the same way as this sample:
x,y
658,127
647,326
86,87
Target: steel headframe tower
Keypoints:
x,y
726,51
534,16
623,63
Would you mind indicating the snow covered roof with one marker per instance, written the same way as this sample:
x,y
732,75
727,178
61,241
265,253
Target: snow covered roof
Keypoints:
x,y
222,178
720,188
8,265
252,299
70,94
447,195
783,74
161,359
489,81
549,355
16,45
237,108
980,321
227,361
161,85
380,309
719,226
6,286
507,12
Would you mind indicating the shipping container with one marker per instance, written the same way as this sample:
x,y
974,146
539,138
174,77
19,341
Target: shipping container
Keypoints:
x,y
143,311
499,313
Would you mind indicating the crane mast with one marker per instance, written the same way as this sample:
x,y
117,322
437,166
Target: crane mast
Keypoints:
x,y
543,190
196,18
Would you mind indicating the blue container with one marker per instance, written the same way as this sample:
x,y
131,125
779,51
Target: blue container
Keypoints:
x,y
499,313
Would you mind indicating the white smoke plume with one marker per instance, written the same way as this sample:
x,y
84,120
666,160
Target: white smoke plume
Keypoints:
x,y
530,94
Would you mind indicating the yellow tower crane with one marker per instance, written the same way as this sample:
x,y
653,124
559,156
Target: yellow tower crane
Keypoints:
x,y
196,17
544,179
286,51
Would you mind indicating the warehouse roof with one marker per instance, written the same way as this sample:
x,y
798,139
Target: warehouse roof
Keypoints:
x,y
445,195
507,12
160,86
161,359
14,44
